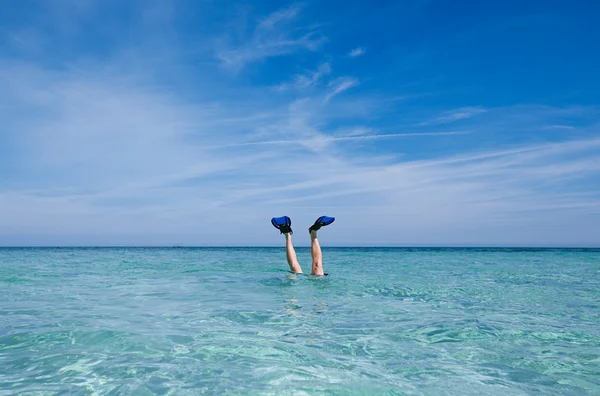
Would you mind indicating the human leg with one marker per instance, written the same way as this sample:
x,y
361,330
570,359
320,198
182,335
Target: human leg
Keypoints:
x,y
315,247
284,224
317,255
290,253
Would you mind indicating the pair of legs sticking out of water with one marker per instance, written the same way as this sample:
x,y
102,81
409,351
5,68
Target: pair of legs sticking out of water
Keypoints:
x,y
284,224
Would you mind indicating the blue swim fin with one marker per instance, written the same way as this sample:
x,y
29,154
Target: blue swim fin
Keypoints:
x,y
283,224
321,222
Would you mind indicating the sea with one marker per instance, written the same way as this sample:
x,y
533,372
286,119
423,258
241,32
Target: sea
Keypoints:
x,y
234,321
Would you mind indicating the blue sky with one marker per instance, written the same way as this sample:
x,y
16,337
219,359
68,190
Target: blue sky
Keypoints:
x,y
195,122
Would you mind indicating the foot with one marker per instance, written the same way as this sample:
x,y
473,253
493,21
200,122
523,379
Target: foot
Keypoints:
x,y
283,224
321,222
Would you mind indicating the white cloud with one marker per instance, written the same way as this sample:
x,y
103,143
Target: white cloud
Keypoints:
x,y
107,158
280,16
121,166
318,142
272,37
309,79
357,52
340,85
462,113
567,127
467,199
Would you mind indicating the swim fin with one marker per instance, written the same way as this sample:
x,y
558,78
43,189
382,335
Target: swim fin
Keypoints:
x,y
321,222
283,224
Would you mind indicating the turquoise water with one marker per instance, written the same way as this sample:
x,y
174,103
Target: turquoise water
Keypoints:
x,y
231,321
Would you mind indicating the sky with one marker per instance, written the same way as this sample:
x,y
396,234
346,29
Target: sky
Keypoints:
x,y
414,123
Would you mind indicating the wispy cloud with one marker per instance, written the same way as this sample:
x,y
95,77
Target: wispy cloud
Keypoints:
x,y
144,167
462,113
273,36
309,79
567,127
357,52
340,85
323,140
280,16
491,190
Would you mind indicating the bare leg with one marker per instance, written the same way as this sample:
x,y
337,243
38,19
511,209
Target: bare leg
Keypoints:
x,y
317,256
291,254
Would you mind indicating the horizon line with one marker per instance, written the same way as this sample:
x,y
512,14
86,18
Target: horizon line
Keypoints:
x,y
300,246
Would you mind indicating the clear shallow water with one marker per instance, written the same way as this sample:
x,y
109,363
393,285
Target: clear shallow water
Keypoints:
x,y
232,321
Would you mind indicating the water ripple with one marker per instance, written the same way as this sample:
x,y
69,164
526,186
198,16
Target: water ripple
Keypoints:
x,y
235,322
